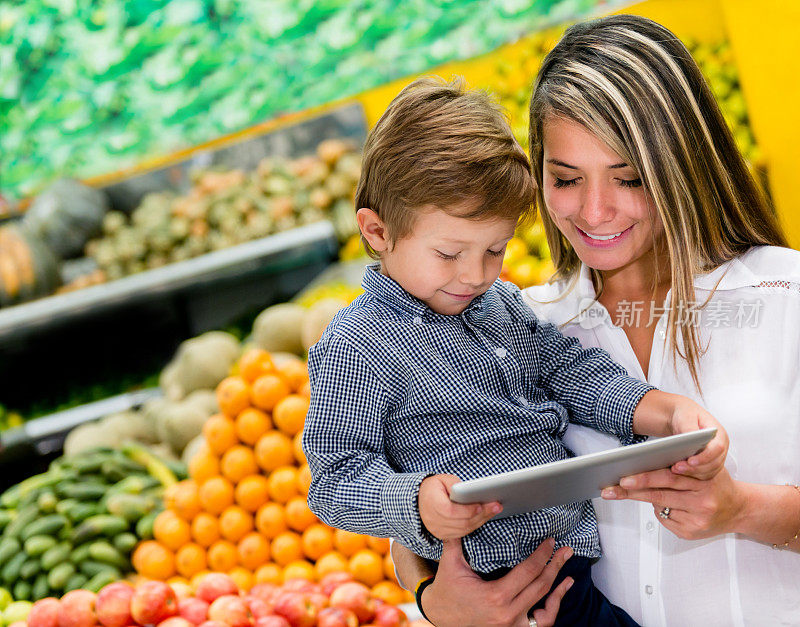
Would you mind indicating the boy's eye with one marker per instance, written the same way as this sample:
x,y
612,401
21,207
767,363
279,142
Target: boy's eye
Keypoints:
x,y
630,182
446,256
565,182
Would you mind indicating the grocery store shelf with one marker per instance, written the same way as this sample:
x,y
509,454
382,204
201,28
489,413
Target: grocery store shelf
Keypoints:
x,y
193,273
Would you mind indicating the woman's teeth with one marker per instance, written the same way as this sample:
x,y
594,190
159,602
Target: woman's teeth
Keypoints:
x,y
604,237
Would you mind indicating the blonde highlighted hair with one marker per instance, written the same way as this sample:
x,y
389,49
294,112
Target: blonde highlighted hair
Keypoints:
x,y
441,145
633,84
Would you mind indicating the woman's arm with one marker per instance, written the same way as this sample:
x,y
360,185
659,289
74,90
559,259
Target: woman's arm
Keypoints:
x,y
460,598
703,509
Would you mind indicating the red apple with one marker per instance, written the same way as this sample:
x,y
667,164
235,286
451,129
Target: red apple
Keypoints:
x,y
258,606
212,623
230,609
175,621
193,610
152,602
44,613
319,600
264,591
390,616
297,608
299,585
273,620
355,597
215,585
331,581
113,605
77,609
336,617
19,623
182,590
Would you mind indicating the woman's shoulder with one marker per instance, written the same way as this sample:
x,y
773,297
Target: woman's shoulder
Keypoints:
x,y
556,302
761,266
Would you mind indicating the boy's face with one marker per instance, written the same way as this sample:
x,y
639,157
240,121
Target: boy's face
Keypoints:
x,y
447,261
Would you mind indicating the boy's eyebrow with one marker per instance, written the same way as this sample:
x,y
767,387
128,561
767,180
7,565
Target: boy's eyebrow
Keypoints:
x,y
615,166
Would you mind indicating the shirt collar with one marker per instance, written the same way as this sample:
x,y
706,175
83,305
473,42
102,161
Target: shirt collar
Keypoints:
x,y
389,291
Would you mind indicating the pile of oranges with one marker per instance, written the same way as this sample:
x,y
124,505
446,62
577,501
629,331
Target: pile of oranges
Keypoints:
x,y
243,510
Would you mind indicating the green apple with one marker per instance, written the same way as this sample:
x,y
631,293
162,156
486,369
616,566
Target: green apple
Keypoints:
x,y
5,599
17,611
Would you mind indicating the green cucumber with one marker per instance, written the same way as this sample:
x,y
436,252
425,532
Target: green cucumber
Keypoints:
x,y
37,545
6,516
49,525
55,556
57,578
102,524
22,591
24,518
144,528
81,511
10,572
9,547
47,502
103,551
90,568
40,588
125,542
30,568
79,554
101,580
75,582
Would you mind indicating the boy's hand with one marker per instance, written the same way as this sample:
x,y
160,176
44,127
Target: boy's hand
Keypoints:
x,y
689,416
447,520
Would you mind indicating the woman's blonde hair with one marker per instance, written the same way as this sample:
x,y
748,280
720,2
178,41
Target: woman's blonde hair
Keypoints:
x,y
634,85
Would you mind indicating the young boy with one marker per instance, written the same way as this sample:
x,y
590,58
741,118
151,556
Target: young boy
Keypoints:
x,y
439,372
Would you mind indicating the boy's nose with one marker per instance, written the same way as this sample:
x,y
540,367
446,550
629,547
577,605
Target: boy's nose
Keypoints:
x,y
471,274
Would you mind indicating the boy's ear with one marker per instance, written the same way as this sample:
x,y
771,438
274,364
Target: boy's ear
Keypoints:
x,y
373,229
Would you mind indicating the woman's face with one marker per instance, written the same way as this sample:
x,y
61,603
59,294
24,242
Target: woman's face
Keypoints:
x,y
595,198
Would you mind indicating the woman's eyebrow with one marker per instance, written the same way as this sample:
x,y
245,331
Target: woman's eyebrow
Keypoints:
x,y
615,166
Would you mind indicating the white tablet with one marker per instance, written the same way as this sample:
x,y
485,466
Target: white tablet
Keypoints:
x,y
577,478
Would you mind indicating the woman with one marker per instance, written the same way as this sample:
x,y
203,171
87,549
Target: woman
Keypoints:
x,y
668,257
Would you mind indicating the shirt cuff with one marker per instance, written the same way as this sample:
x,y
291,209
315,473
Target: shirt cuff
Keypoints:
x,y
399,502
615,407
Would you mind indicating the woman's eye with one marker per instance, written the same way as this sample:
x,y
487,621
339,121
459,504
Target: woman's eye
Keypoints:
x,y
497,253
445,256
630,182
565,182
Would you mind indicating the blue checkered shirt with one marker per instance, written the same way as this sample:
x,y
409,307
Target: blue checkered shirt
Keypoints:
x,y
399,392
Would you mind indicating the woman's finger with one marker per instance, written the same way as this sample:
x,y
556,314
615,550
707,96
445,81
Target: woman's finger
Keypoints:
x,y
546,616
540,586
663,478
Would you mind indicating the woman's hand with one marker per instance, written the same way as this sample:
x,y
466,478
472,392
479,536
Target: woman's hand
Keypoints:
x,y
460,598
697,509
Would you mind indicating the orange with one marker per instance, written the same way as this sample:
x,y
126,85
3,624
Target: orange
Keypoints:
x,y
294,372
252,492
238,462
253,550
289,414
268,390
305,390
269,573
286,547
171,530
235,523
183,499
388,567
222,556
389,592
242,577
317,541
205,529
190,559
332,562
303,479
367,567
271,520
233,396
251,424
297,445
274,449
298,515
379,545
254,363
348,543
220,433
282,484
153,560
204,464
299,569
216,494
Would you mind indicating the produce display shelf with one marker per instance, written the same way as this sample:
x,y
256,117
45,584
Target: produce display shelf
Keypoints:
x,y
193,273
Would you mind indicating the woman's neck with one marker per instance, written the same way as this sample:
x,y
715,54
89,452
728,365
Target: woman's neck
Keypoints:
x,y
636,281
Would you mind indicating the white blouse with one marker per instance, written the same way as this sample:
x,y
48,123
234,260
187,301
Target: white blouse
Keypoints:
x,y
750,377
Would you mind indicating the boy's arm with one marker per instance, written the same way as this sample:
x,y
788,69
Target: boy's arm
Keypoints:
x,y
353,486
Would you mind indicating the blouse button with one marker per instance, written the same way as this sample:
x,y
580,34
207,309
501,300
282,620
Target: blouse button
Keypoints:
x,y
500,352
648,589
650,526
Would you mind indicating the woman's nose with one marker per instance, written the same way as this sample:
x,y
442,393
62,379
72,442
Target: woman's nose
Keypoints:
x,y
596,208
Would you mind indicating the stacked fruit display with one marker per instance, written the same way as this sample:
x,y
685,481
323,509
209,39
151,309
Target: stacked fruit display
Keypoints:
x,y
216,601
76,525
227,208
243,510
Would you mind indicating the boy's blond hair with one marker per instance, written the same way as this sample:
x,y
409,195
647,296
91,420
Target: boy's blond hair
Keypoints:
x,y
441,145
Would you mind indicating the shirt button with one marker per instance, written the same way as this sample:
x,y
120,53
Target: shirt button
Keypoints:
x,y
650,526
417,320
500,352
522,401
648,589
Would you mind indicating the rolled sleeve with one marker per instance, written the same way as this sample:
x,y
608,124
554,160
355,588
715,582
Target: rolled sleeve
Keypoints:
x,y
399,498
615,407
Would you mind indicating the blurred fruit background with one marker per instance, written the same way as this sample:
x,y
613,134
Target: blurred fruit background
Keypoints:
x,y
177,229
